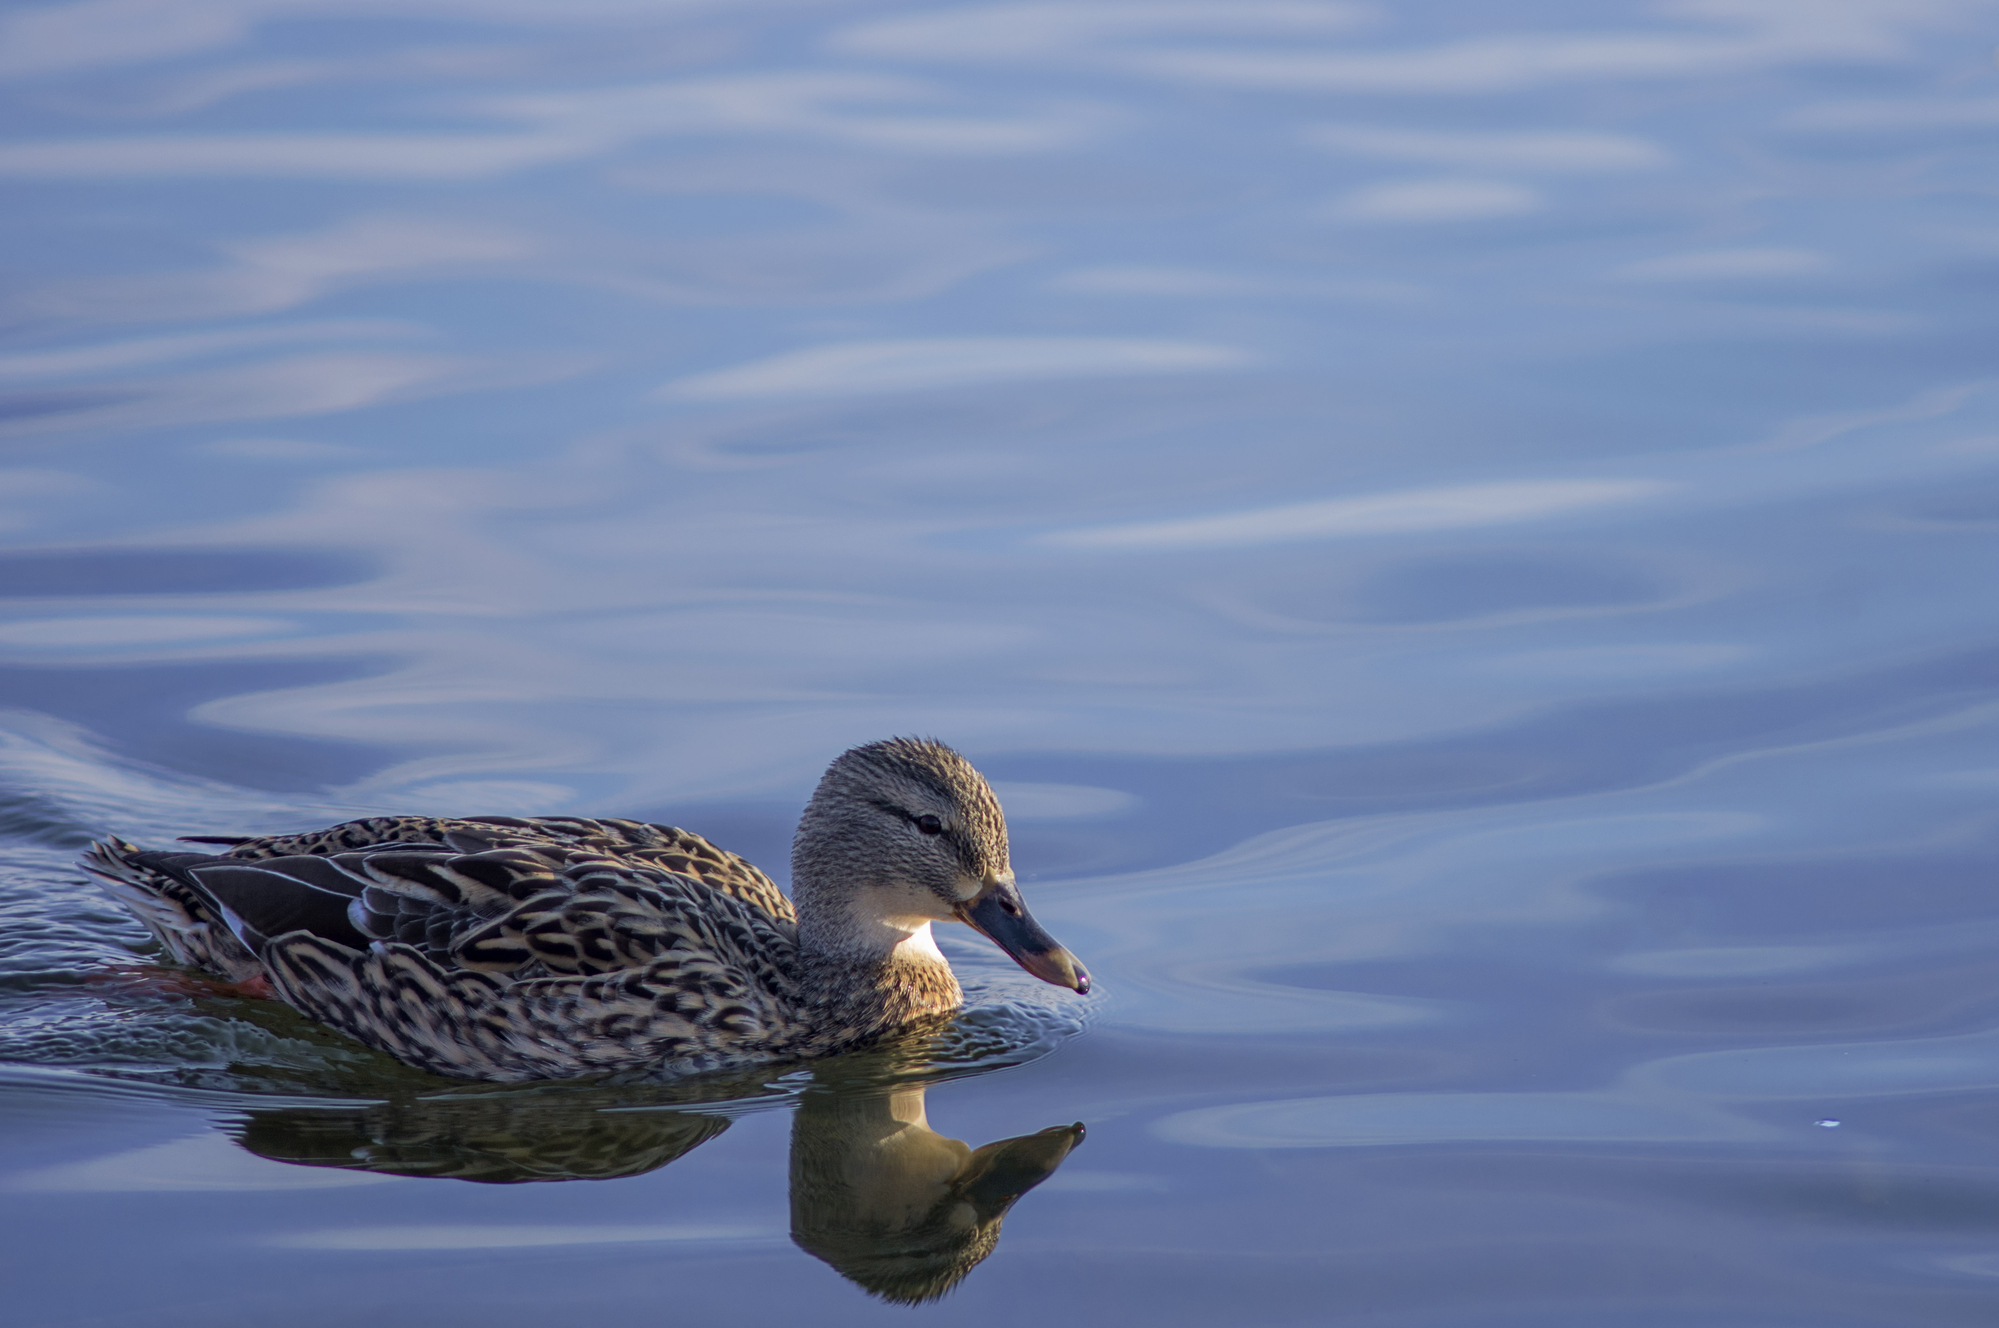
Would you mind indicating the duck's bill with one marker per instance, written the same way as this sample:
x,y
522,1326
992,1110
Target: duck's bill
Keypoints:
x,y
997,913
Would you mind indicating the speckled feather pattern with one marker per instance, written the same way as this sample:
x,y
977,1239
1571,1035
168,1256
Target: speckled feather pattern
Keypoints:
x,y
663,846
534,955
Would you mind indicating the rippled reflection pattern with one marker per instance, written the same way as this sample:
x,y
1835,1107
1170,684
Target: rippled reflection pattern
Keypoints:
x,y
1463,536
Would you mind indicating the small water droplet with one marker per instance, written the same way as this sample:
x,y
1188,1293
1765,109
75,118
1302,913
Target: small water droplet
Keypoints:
x,y
1827,1124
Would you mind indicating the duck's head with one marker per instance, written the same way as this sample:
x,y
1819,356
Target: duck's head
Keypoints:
x,y
903,833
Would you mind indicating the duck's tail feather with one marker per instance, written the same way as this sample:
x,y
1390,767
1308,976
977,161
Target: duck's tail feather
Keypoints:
x,y
188,921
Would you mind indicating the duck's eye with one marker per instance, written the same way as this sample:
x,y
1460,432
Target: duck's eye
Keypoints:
x,y
929,824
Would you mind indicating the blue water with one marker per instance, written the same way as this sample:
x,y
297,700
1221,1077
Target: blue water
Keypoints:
x,y
1463,534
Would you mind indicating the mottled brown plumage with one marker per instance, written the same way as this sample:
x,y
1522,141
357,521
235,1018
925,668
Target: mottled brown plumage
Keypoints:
x,y
506,948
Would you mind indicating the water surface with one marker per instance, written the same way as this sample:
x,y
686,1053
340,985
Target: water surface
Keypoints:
x,y
1464,536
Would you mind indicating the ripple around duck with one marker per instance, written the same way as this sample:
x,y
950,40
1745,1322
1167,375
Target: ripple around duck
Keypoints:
x,y
986,1035
135,1027
79,1001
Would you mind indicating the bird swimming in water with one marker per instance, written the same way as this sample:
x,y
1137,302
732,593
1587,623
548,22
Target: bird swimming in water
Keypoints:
x,y
502,948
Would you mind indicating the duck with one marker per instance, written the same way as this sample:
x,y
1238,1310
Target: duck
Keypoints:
x,y
506,949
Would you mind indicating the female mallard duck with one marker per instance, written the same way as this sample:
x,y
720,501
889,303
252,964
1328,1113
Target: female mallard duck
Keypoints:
x,y
501,948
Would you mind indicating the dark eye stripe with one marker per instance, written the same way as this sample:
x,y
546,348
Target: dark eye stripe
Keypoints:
x,y
928,823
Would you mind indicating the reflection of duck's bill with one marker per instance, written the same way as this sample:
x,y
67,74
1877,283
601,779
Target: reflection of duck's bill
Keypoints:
x,y
998,912
1001,1172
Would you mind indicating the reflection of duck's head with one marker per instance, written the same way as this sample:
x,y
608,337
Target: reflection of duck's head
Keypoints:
x,y
896,1207
901,834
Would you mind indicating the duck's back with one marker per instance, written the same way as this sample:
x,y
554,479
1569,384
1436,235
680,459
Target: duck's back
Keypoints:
x,y
663,846
491,947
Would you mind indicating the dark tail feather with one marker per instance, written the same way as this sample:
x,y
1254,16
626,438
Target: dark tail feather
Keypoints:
x,y
158,890
231,840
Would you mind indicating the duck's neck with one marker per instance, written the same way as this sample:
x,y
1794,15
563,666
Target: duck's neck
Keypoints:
x,y
865,974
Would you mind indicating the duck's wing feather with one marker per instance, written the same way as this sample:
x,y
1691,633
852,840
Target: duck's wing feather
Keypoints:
x,y
269,898
610,917
522,912
530,913
182,916
432,899
424,898
665,847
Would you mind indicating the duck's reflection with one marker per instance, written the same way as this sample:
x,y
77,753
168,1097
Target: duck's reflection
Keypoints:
x,y
498,1140
895,1207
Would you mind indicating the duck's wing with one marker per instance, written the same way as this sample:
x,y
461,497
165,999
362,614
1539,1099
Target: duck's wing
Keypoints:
x,y
427,898
511,911
511,963
609,916
665,847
